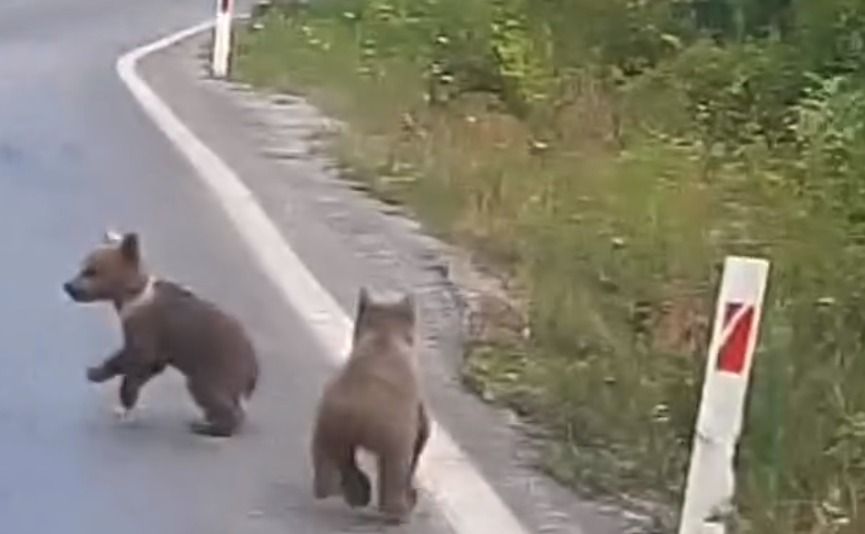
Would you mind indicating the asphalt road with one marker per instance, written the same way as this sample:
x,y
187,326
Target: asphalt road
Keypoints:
x,y
76,155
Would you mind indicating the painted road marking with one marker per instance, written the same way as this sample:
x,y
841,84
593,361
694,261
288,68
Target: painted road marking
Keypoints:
x,y
466,499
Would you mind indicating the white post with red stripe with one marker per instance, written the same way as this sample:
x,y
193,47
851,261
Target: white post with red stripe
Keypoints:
x,y
222,38
710,487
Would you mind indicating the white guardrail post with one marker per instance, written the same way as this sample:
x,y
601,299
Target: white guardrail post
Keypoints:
x,y
222,38
711,478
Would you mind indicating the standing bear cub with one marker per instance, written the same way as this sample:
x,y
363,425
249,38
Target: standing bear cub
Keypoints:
x,y
374,403
165,324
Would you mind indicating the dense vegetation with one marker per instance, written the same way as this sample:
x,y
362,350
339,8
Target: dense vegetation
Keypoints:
x,y
607,154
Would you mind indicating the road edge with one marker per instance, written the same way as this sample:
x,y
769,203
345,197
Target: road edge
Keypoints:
x,y
467,500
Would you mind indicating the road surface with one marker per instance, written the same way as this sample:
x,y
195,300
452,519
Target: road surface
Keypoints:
x,y
77,154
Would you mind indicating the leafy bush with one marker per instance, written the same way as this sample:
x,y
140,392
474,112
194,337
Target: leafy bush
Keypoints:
x,y
608,154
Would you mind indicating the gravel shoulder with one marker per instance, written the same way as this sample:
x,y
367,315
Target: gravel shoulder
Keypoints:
x,y
346,238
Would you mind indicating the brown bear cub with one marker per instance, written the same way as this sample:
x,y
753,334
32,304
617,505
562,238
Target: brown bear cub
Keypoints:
x,y
165,324
374,403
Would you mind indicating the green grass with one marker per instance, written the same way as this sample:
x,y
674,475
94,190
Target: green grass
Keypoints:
x,y
611,210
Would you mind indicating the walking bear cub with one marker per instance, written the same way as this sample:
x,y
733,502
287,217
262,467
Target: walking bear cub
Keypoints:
x,y
374,403
165,324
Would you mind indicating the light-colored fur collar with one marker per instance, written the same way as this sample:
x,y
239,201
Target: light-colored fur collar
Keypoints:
x,y
144,297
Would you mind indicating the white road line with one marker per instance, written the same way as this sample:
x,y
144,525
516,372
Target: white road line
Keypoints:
x,y
469,503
